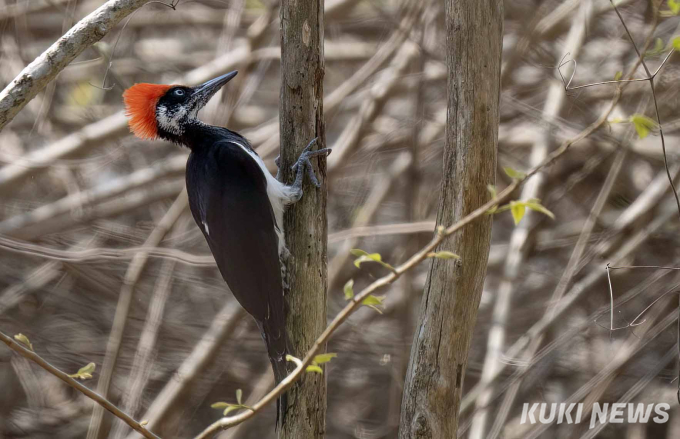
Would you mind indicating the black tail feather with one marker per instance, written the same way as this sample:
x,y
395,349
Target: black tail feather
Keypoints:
x,y
277,348
280,372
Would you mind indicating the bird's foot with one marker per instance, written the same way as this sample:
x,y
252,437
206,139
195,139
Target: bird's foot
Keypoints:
x,y
303,163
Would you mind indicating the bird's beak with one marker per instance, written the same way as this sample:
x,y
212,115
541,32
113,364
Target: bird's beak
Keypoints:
x,y
205,91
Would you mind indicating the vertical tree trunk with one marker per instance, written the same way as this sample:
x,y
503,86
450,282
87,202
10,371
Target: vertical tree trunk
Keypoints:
x,y
301,113
434,379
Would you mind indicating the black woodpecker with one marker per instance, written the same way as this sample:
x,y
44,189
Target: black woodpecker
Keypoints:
x,y
235,201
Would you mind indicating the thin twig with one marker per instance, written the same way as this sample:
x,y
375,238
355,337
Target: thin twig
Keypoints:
x,y
103,402
143,362
104,254
132,276
47,66
223,325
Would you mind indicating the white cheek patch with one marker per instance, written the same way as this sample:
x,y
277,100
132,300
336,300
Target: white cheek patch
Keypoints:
x,y
194,113
171,122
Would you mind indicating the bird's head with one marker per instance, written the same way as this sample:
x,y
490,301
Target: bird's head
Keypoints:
x,y
158,110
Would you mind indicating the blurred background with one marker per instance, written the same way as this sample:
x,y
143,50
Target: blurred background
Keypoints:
x,y
79,196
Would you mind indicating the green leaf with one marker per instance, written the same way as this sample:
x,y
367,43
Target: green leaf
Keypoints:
x,y
314,368
358,252
374,257
513,173
231,408
676,43
85,372
373,302
239,394
618,75
21,338
674,6
349,289
369,257
320,359
324,358
643,124
518,210
443,255
535,204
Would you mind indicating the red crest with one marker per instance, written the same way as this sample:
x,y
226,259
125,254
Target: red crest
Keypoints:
x,y
140,108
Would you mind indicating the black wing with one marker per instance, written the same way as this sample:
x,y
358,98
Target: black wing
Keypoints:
x,y
228,199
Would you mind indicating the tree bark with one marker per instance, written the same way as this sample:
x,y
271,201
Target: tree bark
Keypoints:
x,y
434,379
306,225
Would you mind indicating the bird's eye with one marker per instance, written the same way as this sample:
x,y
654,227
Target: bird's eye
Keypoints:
x,y
179,92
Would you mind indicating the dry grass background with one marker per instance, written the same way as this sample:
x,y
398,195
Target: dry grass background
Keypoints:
x,y
76,189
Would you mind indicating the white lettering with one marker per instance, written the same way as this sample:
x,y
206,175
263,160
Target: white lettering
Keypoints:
x,y
636,413
543,418
565,413
660,410
616,415
599,414
525,411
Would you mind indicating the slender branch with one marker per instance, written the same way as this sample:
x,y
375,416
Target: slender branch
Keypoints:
x,y
103,254
656,107
618,81
223,326
630,37
144,361
656,267
105,403
47,66
658,121
127,293
21,225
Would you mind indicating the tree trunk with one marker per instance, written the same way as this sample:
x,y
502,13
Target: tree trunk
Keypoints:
x,y
434,379
306,225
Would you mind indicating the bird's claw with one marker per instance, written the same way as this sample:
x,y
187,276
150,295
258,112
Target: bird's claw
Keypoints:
x,y
303,161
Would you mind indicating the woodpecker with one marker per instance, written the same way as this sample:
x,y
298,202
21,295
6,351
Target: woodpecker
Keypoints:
x,y
235,201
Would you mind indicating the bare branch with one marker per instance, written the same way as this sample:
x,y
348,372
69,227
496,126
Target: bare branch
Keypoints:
x,y
105,403
127,292
47,66
224,324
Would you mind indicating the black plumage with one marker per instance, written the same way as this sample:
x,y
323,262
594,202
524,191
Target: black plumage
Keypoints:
x,y
228,199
